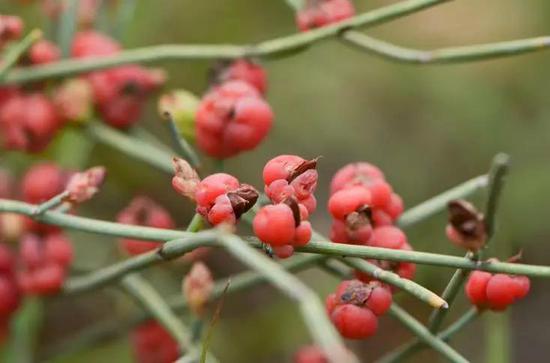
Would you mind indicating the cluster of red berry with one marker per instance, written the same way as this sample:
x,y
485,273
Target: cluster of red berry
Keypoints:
x,y
495,291
232,117
364,208
30,117
318,13
153,344
355,306
289,183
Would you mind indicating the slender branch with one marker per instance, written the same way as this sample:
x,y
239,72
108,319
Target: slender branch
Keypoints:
x,y
67,27
448,55
416,290
108,329
51,203
266,49
92,225
153,302
497,174
404,351
425,336
132,146
10,58
439,202
296,5
182,146
314,246
322,330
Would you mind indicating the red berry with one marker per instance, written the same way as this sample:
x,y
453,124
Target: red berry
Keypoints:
x,y
381,218
381,193
6,260
153,344
279,190
28,122
232,118
354,322
340,232
42,182
522,286
395,207
43,52
331,302
58,249
318,13
476,287
221,211
283,251
347,201
500,291
93,44
143,211
46,279
212,187
281,167
11,28
247,71
380,300
275,225
310,354
302,234
388,237
355,174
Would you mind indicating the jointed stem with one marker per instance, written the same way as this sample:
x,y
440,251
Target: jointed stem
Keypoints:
x,y
266,49
462,54
425,336
10,58
418,291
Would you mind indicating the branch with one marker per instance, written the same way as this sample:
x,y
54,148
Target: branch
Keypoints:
x,y
10,58
111,328
425,336
183,148
322,330
266,49
439,202
461,54
416,290
406,350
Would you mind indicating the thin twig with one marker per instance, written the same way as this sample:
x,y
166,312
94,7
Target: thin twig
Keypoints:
x,y
67,26
271,48
182,146
425,336
51,203
416,290
461,54
10,58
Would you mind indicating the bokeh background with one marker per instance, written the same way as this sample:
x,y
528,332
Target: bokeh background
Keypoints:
x,y
428,127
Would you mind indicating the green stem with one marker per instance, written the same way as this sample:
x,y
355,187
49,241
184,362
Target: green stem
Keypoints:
x,y
25,328
497,176
67,27
313,311
132,146
10,58
416,290
266,49
108,329
425,336
314,246
447,55
408,349
439,202
182,146
51,203
449,294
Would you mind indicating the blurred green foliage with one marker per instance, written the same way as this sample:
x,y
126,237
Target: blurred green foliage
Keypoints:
x,y
428,127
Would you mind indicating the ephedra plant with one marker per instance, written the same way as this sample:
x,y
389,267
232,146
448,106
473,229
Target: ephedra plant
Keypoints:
x,y
87,82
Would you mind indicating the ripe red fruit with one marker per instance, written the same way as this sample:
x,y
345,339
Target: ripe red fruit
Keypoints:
x,y
11,28
347,201
93,44
500,291
232,118
28,122
354,322
9,296
359,233
58,249
221,198
522,286
143,211
310,354
380,299
42,182
283,252
43,52
244,70
496,292
275,225
394,208
153,344
355,174
318,13
388,237
6,260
